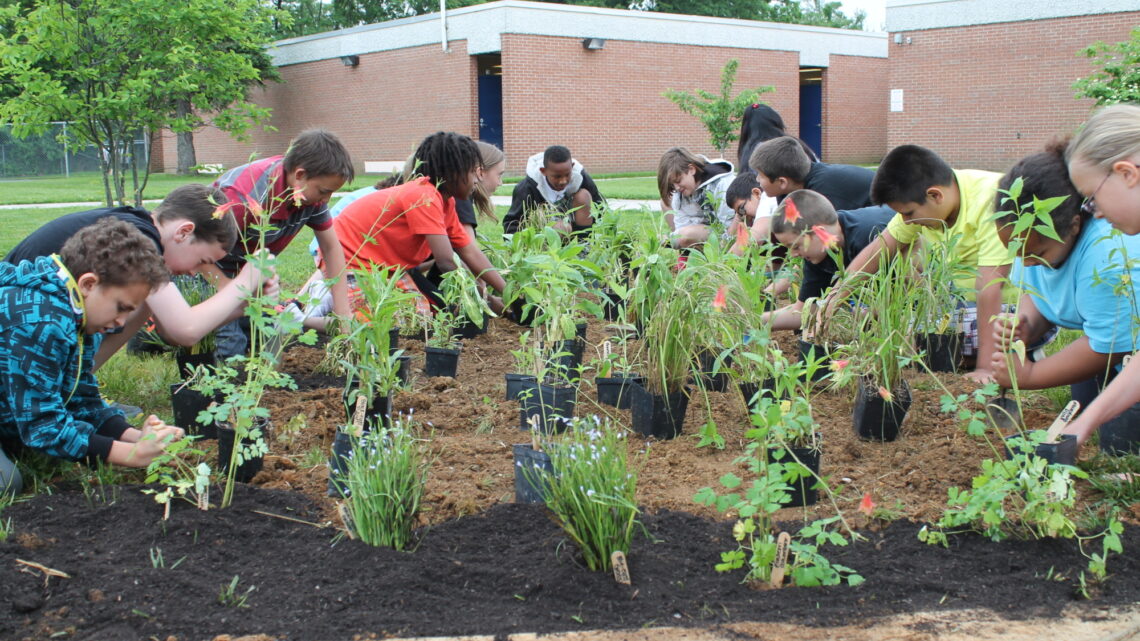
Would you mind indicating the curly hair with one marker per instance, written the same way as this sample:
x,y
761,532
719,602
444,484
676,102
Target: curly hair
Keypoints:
x,y
446,158
117,252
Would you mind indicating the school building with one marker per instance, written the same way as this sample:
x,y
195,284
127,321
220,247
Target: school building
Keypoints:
x,y
987,83
526,75
983,83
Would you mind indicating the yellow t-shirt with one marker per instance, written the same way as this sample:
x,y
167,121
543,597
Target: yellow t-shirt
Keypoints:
x,y
978,243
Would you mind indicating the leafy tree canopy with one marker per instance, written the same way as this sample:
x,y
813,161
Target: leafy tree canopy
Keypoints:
x,y
1118,79
315,16
116,68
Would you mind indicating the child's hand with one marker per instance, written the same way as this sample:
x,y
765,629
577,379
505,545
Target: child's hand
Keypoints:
x,y
1007,329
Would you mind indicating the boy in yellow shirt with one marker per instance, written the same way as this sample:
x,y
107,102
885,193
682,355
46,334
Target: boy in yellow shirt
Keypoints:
x,y
935,202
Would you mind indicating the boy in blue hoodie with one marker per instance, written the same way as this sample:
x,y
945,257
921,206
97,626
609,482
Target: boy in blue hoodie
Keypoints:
x,y
53,311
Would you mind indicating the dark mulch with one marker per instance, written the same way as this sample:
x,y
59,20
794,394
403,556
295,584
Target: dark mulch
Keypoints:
x,y
505,570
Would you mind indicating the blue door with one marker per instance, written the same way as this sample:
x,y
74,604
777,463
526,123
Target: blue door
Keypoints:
x,y
491,109
811,116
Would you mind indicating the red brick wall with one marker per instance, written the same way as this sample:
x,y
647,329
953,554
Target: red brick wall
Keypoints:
x,y
381,109
855,101
607,106
985,96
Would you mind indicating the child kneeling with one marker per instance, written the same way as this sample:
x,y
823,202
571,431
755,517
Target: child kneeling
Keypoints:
x,y
53,311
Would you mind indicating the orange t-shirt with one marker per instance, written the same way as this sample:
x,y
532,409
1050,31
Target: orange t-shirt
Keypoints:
x,y
390,227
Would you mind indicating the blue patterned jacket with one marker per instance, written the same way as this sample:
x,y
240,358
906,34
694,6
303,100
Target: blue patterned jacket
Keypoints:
x,y
39,364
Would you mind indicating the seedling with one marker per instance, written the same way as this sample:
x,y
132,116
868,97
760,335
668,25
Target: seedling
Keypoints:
x,y
231,598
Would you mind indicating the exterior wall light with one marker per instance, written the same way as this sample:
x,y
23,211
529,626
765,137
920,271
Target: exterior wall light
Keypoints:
x,y
593,44
350,61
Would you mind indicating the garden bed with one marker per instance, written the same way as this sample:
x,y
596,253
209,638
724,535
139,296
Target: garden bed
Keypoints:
x,y
486,566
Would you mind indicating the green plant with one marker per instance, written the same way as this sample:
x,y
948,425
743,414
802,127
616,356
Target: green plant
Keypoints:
x,y
1118,78
719,113
440,331
386,474
178,476
882,345
368,362
525,355
593,493
230,597
158,562
271,330
460,292
934,294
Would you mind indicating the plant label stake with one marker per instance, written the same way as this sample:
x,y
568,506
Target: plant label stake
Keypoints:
x,y
204,499
534,444
1062,420
621,568
781,560
358,415
346,518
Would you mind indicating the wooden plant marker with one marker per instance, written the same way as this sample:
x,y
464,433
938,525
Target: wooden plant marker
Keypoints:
x,y
204,499
346,518
783,541
1063,419
621,568
358,415
166,510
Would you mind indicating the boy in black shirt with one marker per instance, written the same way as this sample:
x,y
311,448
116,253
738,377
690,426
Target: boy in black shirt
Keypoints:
x,y
782,166
812,229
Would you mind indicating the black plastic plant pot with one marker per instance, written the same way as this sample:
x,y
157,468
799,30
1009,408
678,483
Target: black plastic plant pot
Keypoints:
x,y
657,415
522,315
814,351
471,329
875,418
718,382
612,305
551,406
580,333
187,404
187,363
516,383
404,372
342,446
567,357
941,352
1063,452
1121,435
248,468
378,411
439,361
532,470
749,390
617,391
393,339
803,491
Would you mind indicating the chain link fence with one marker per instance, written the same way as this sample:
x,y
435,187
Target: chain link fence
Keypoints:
x,y
54,153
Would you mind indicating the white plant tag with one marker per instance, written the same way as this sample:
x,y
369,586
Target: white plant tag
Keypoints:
x,y
783,541
1061,421
358,414
621,568
204,499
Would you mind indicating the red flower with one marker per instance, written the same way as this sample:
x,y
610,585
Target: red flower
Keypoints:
x,y
719,300
837,366
827,238
791,212
742,235
867,506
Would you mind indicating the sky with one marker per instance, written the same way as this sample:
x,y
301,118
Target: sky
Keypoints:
x,y
876,12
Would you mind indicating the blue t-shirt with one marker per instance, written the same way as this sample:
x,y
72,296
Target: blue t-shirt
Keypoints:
x,y
1079,293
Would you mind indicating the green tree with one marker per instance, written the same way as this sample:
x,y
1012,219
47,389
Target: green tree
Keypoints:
x,y
118,68
1118,79
720,113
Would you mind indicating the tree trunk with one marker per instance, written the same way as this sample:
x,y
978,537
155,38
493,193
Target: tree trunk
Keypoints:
x,y
186,156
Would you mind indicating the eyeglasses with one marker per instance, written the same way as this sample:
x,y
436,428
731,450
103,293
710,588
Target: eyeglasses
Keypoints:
x,y
1088,205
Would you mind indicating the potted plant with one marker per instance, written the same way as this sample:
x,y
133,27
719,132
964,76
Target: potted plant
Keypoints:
x,y
441,345
616,378
548,402
524,368
461,294
659,407
880,350
935,299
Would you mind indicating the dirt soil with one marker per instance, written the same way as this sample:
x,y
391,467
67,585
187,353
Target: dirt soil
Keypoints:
x,y
487,566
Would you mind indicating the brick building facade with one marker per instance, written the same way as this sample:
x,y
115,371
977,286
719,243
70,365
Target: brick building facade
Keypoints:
x,y
986,83
605,104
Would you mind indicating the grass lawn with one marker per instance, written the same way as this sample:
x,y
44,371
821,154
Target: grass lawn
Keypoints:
x,y
88,187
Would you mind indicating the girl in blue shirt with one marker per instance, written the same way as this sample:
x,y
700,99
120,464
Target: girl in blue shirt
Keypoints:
x,y
1074,283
